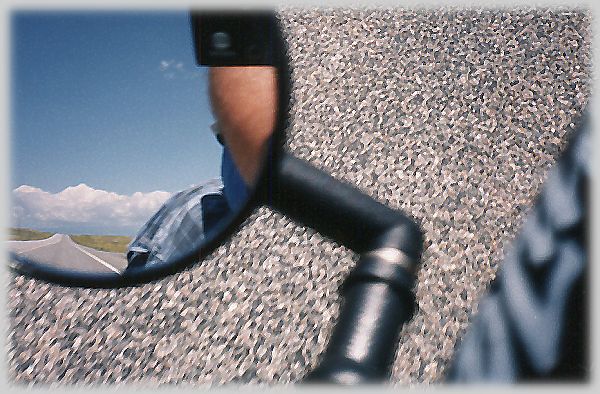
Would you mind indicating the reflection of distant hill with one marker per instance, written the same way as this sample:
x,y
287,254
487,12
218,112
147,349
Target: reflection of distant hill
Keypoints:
x,y
106,243
26,234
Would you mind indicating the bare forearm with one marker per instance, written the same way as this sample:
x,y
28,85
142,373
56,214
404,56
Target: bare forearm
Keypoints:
x,y
244,100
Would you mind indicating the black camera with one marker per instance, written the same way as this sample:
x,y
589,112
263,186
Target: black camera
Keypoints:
x,y
227,38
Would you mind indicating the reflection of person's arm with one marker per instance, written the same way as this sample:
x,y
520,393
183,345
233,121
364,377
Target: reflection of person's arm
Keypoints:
x,y
244,101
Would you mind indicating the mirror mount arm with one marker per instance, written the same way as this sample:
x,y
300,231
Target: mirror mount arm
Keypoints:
x,y
378,295
337,210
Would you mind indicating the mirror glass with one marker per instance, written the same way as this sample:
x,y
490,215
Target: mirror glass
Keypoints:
x,y
125,152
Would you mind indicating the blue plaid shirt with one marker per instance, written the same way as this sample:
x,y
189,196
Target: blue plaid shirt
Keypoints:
x,y
189,217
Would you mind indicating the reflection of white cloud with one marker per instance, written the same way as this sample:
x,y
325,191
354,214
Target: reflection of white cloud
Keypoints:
x,y
172,69
83,205
165,64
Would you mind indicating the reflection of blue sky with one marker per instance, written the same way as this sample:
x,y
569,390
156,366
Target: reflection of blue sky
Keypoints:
x,y
112,100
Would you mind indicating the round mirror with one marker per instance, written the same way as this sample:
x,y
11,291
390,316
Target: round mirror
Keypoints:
x,y
138,139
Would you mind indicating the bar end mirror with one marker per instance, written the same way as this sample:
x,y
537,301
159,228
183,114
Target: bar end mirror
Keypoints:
x,y
93,231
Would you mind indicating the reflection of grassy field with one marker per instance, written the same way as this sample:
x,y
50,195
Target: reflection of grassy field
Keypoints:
x,y
25,234
106,243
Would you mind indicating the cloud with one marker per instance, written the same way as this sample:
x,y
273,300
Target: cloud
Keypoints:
x,y
83,207
165,64
171,69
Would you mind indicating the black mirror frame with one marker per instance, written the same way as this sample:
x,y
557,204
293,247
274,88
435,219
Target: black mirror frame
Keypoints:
x,y
137,276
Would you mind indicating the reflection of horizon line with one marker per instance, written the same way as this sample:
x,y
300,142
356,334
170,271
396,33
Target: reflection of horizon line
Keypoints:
x,y
70,233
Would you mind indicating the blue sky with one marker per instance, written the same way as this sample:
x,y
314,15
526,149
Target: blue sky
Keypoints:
x,y
110,100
